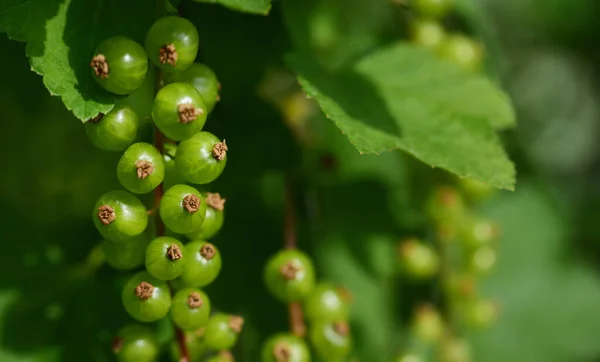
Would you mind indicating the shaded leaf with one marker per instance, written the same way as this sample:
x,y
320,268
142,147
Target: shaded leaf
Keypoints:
x,y
261,7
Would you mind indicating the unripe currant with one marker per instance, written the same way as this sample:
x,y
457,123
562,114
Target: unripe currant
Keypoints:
x,y
463,51
203,79
326,303
165,258
289,275
223,356
135,342
113,131
222,330
482,260
285,347
202,264
481,313
182,209
179,111
455,350
427,325
434,9
125,255
477,232
331,340
172,176
146,298
428,34
202,158
190,309
476,190
195,343
213,219
141,168
172,43
119,216
119,65
409,357
417,260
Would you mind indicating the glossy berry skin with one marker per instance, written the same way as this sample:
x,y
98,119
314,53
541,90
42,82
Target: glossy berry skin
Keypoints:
x,y
463,51
223,356
213,221
476,190
141,168
173,103
127,65
428,34
125,255
119,216
196,160
172,176
427,325
203,79
477,232
218,332
285,344
434,9
164,258
289,275
136,343
196,347
190,309
417,259
146,298
114,131
329,341
325,303
182,209
482,260
178,32
409,357
200,268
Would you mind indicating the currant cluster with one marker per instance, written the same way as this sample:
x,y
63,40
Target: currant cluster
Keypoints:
x,y
464,251
182,155
427,31
290,277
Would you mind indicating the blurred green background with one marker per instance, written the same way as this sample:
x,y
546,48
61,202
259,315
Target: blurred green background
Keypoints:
x,y
546,53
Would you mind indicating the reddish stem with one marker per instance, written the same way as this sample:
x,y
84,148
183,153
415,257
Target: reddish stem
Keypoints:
x,y
185,355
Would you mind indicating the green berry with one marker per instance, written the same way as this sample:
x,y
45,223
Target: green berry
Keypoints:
x,y
165,257
135,343
146,298
202,264
409,357
190,309
289,275
428,34
125,255
119,215
482,313
195,344
482,260
223,356
476,190
172,176
285,347
119,65
418,260
434,9
330,340
113,131
463,51
203,79
182,209
202,158
477,232
141,168
222,330
455,350
326,303
172,43
179,111
213,220
428,325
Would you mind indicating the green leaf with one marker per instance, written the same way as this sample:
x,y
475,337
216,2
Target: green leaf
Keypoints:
x,y
261,7
541,290
405,98
61,38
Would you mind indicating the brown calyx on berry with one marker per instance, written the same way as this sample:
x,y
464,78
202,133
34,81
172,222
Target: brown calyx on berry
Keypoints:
x,y
220,150
282,352
289,270
208,251
96,119
215,201
144,290
342,328
194,300
236,323
106,214
168,54
226,355
345,294
144,169
173,252
191,203
117,344
100,66
188,112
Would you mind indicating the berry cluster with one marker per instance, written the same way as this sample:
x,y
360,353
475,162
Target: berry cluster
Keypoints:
x,y
465,251
427,31
182,155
